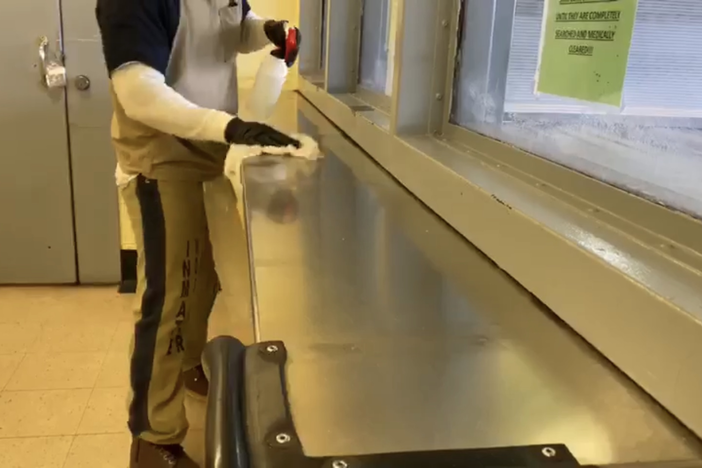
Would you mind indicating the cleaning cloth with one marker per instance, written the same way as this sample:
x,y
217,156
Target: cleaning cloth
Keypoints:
x,y
238,153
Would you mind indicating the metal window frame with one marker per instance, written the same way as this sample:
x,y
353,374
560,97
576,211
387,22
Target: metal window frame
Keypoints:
x,y
343,17
379,101
494,54
311,66
623,272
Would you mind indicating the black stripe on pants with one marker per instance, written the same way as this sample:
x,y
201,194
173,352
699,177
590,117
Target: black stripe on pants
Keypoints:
x,y
146,329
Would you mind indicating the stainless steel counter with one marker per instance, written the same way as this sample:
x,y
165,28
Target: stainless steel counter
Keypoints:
x,y
402,336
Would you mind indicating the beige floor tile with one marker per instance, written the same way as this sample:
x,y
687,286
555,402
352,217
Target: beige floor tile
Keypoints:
x,y
115,371
18,337
75,337
8,366
21,305
123,337
31,452
57,371
86,305
63,304
99,451
41,413
106,412
194,445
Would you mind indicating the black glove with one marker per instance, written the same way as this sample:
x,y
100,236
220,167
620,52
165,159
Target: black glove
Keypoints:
x,y
287,40
239,132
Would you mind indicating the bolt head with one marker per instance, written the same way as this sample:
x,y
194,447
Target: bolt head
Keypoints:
x,y
283,438
272,349
549,452
340,464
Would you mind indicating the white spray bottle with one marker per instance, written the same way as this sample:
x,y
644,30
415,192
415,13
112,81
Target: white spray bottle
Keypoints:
x,y
270,78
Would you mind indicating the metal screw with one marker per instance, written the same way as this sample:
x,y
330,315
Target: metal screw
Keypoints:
x,y
439,96
444,23
340,464
549,452
272,349
283,438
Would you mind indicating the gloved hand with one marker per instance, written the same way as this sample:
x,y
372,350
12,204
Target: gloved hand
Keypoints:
x,y
287,40
240,132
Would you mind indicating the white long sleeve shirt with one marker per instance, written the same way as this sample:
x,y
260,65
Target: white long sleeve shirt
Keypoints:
x,y
173,78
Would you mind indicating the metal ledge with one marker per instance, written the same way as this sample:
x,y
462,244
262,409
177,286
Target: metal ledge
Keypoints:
x,y
377,100
274,442
627,212
624,296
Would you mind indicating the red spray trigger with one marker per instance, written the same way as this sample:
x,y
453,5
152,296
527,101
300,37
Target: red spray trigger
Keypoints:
x,y
291,45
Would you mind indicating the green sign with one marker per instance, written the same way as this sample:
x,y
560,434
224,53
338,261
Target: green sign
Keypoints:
x,y
585,49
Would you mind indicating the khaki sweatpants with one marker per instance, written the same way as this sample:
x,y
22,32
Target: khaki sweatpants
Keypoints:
x,y
177,286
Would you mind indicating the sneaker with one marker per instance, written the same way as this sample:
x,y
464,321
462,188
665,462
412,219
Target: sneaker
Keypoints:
x,y
196,382
147,455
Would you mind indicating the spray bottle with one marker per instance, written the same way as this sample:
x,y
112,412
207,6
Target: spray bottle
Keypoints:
x,y
271,76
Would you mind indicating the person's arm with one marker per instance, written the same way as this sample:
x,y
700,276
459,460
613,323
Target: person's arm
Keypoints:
x,y
137,37
253,31
145,97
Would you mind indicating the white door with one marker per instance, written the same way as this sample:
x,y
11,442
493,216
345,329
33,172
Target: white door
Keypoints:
x,y
58,207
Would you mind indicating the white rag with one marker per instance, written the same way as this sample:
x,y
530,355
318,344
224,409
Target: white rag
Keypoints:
x,y
238,153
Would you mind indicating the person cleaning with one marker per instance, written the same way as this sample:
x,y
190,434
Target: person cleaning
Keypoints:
x,y
173,80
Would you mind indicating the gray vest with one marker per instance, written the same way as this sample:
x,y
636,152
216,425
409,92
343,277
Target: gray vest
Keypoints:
x,y
203,61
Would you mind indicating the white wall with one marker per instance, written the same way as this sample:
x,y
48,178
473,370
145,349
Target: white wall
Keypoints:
x,y
247,66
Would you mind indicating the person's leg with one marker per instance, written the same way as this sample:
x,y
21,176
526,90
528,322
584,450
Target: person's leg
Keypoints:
x,y
204,288
170,229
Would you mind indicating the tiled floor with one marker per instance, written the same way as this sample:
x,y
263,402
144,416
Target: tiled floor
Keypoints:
x,y
64,353
63,376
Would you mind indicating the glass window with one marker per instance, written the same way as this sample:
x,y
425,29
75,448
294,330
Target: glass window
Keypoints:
x,y
651,145
375,46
